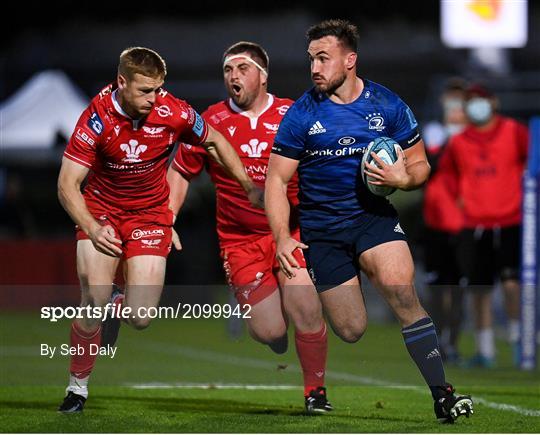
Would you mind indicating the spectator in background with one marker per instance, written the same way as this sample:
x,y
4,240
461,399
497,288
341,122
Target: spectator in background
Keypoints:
x,y
488,159
444,220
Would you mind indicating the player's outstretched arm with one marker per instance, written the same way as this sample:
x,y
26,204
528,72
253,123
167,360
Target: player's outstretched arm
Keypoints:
x,y
223,152
69,194
280,171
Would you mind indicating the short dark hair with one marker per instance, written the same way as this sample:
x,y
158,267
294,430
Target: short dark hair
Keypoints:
x,y
255,50
343,30
143,61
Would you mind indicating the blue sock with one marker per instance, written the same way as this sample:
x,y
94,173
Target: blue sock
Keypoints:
x,y
423,346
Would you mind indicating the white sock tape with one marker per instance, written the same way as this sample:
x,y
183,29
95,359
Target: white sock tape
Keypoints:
x,y
243,56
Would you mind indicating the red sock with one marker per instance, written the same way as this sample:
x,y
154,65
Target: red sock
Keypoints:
x,y
81,365
119,299
312,349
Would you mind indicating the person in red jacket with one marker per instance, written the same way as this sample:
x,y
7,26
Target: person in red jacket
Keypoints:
x,y
444,220
488,158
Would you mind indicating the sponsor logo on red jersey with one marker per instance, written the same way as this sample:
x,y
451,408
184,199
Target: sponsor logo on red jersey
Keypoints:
x,y
154,131
282,110
95,123
254,148
272,128
84,137
164,111
133,149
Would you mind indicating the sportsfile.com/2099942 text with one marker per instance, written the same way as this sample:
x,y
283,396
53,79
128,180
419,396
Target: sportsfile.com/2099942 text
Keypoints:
x,y
180,311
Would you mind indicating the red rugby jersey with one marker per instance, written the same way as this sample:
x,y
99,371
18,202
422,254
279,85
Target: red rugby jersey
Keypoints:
x,y
128,158
489,166
440,207
252,138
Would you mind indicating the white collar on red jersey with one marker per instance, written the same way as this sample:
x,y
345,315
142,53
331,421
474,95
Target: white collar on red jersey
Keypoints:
x,y
252,119
118,108
117,105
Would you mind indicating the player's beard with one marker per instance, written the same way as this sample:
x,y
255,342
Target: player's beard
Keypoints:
x,y
245,99
331,86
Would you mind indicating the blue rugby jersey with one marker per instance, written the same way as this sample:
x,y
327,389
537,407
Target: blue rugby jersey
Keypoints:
x,y
329,139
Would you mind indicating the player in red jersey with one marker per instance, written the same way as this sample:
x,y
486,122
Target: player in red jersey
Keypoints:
x,y
488,159
250,120
122,141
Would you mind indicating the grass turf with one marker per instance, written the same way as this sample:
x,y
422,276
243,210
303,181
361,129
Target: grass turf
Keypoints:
x,y
373,385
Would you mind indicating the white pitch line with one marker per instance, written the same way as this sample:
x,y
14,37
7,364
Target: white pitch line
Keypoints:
x,y
223,358
508,407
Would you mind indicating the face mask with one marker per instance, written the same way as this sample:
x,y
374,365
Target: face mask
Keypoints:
x,y
451,104
479,110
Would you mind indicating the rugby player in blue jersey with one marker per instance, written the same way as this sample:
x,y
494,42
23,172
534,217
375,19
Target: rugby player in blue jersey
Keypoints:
x,y
344,227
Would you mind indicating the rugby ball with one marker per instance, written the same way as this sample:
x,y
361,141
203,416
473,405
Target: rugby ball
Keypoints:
x,y
385,148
